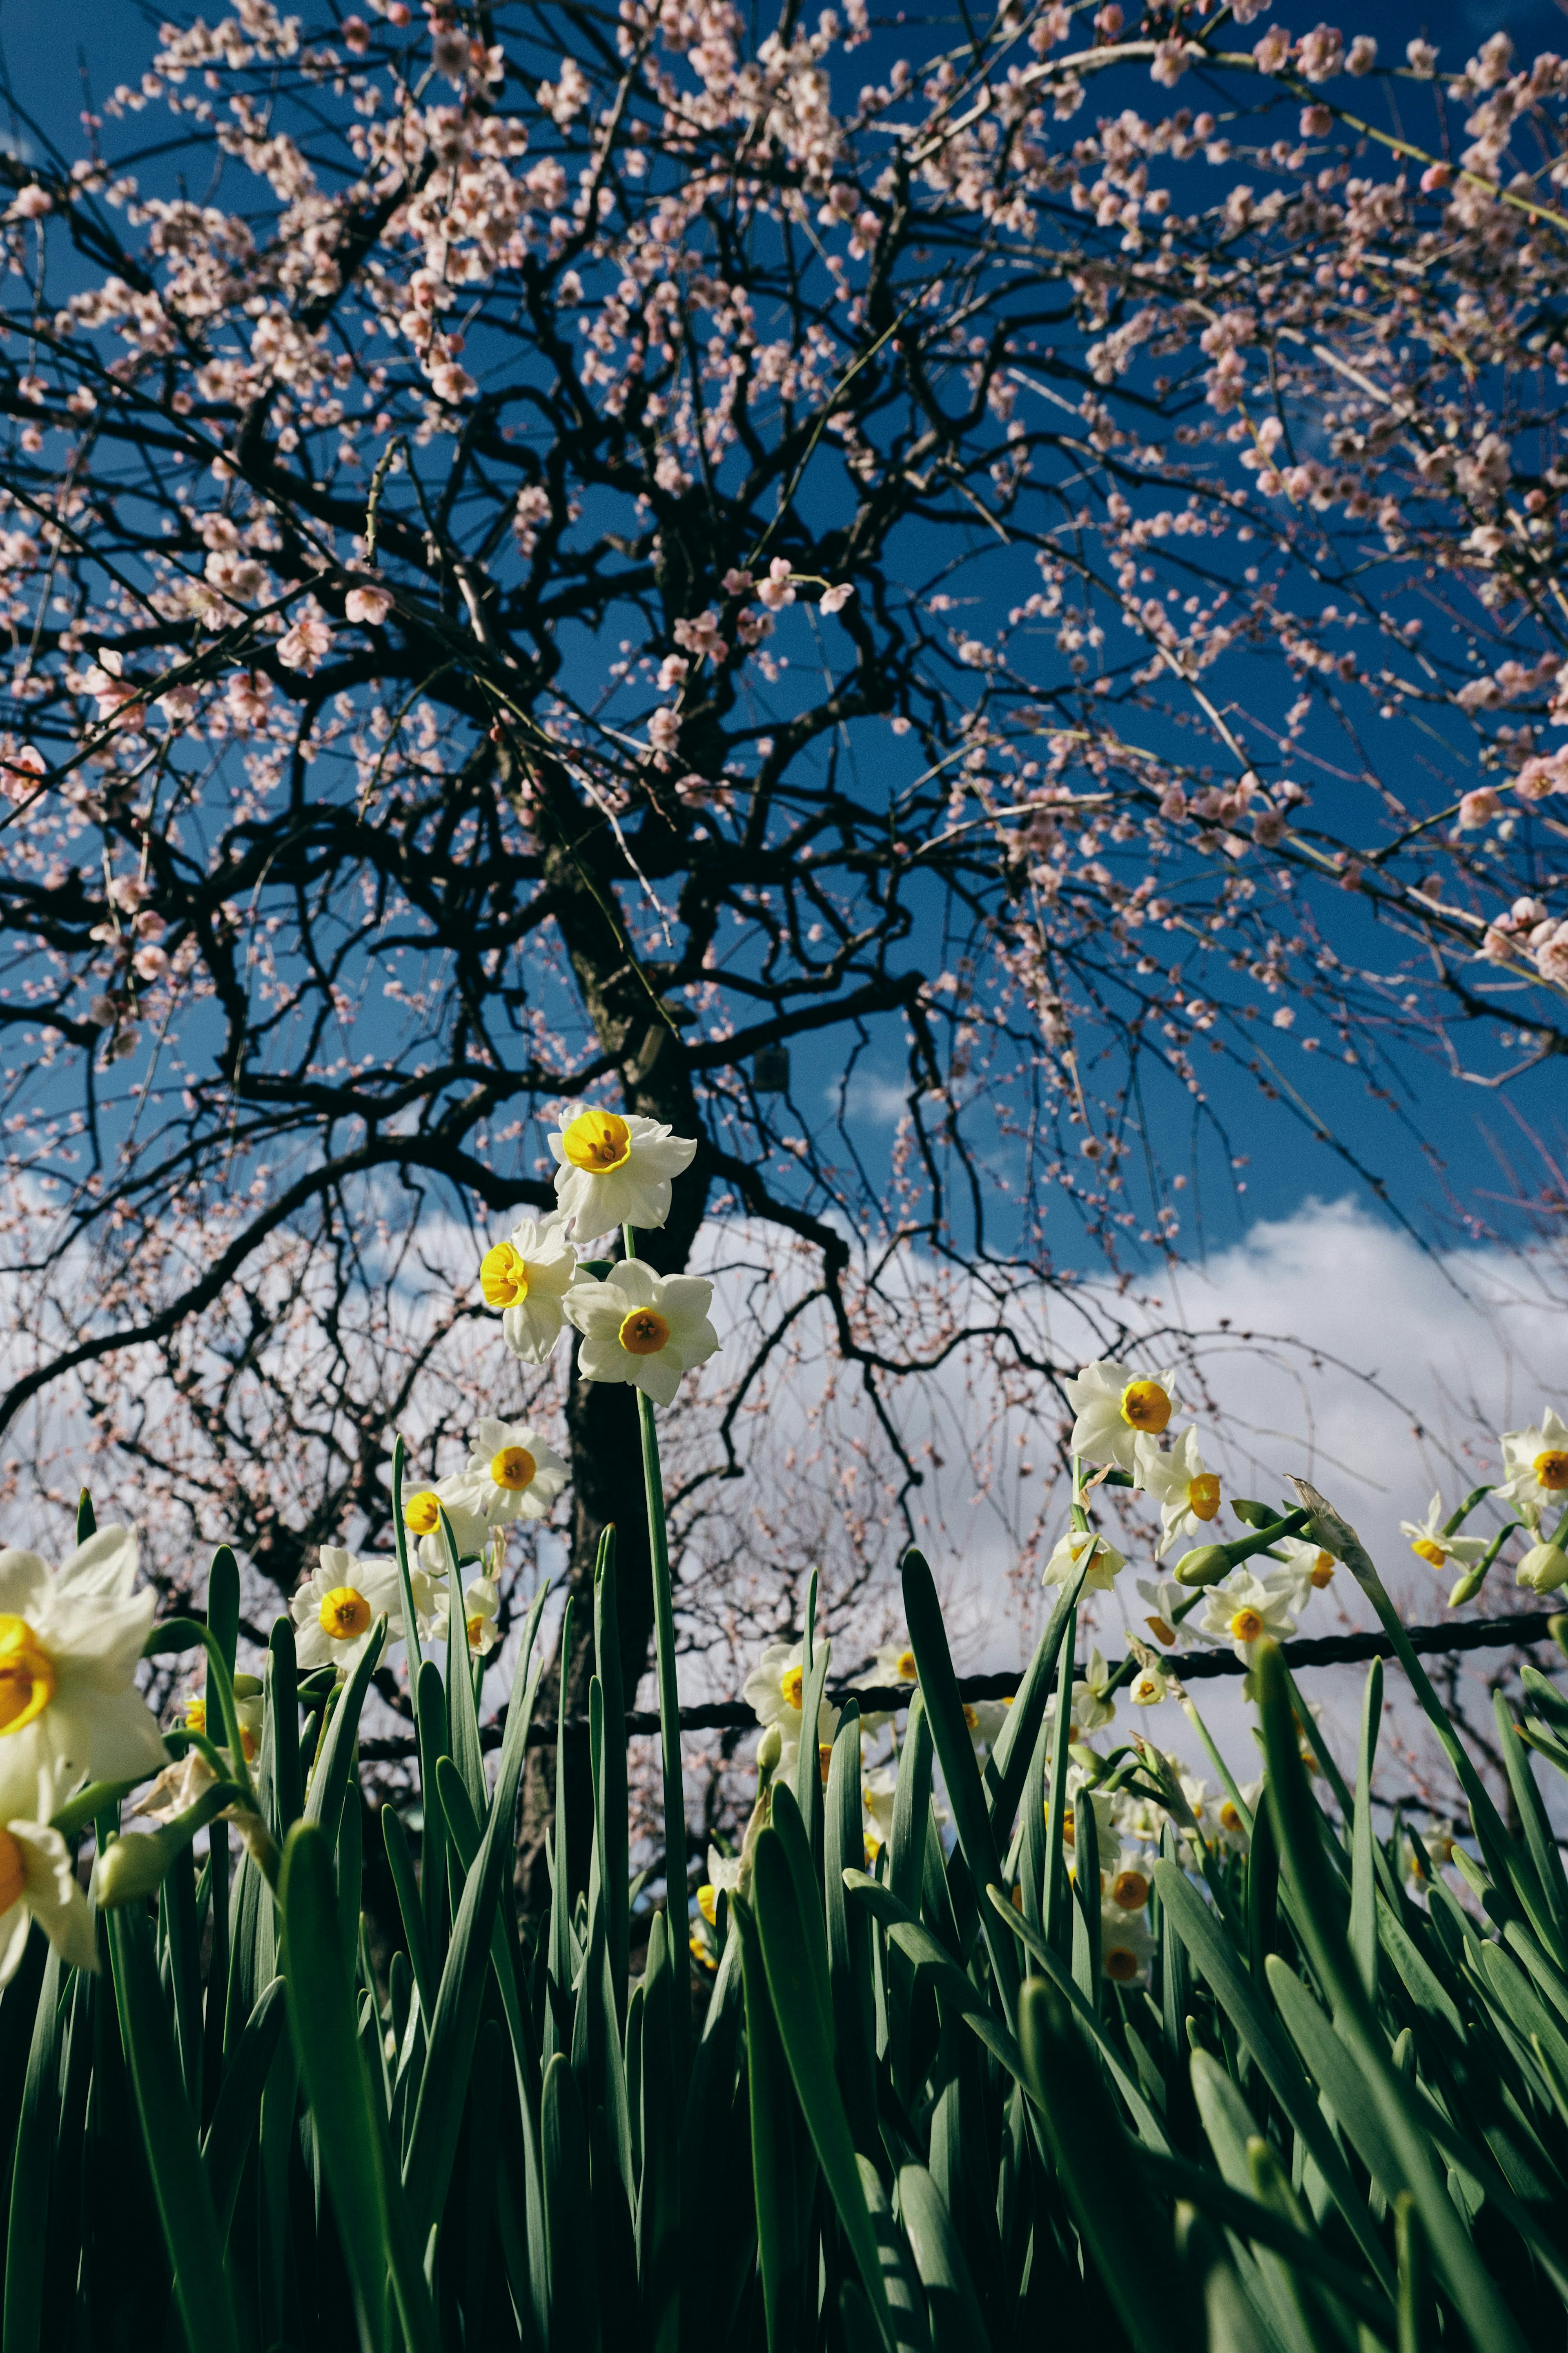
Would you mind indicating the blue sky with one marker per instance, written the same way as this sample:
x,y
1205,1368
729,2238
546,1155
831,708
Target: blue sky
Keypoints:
x,y
1471,1130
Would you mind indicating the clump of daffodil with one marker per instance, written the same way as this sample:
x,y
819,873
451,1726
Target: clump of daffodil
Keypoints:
x,y
643,1329
70,1642
615,1171
1186,1493
1115,1407
527,1277
1536,1463
337,1605
512,1473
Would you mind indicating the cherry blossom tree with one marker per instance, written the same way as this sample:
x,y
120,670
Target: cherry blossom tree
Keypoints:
x,y
558,557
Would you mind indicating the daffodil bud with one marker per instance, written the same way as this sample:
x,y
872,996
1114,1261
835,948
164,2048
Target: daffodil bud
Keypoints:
x,y
1465,1588
130,1870
1204,1566
770,1748
247,1687
1544,1569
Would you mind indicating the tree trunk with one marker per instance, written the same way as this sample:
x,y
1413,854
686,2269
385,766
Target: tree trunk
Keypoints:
x,y
630,1023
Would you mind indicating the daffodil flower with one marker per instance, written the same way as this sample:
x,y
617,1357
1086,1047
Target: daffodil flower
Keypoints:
x,y
335,1608
1242,1609
615,1171
723,1879
1126,1948
249,1708
1092,1709
1165,1598
776,1688
1071,1549
1187,1493
70,1642
527,1277
643,1329
878,1793
1114,1406
1307,1565
422,1517
37,1875
512,1473
1429,1543
481,1606
1536,1463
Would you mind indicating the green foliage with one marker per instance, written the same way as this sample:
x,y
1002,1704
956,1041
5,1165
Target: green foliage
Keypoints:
x,y
913,2114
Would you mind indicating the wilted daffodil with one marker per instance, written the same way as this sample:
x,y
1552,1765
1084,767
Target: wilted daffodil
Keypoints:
x,y
615,1171
1429,1543
1536,1462
527,1277
1114,1406
642,1328
335,1608
1187,1494
512,1473
38,1877
70,1642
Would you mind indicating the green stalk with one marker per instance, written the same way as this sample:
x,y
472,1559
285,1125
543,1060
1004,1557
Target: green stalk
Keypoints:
x,y
668,1712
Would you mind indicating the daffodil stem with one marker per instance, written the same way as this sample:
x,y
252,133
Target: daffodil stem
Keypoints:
x,y
1456,1520
414,1648
668,1716
1560,1534
1131,1666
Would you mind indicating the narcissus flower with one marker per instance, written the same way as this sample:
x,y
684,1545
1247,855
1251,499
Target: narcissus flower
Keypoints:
x,y
1187,1493
643,1329
512,1473
335,1608
723,1879
1091,1709
1429,1543
70,1646
1114,1406
775,1685
894,1663
1071,1549
1244,1607
422,1518
38,1876
1536,1462
1309,1565
481,1606
527,1277
615,1171
1165,1598
776,1688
